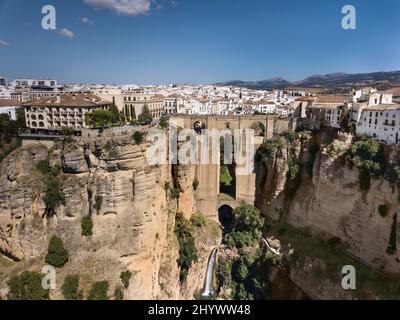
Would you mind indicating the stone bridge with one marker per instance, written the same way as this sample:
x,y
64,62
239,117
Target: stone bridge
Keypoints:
x,y
208,201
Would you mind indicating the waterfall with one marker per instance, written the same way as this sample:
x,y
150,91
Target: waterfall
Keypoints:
x,y
209,275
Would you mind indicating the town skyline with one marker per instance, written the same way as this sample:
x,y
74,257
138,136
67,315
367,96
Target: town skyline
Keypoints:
x,y
148,42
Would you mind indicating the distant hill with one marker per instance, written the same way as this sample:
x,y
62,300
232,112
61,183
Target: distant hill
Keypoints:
x,y
327,81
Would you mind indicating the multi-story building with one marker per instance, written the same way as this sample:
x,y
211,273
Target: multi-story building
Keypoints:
x,y
34,82
67,110
9,107
327,110
382,122
135,100
172,102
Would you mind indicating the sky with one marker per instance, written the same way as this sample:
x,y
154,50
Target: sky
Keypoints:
x,y
195,41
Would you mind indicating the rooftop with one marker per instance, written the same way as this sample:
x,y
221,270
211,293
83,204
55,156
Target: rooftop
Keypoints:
x,y
69,100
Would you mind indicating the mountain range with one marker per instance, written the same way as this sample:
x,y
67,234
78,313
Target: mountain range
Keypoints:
x,y
327,81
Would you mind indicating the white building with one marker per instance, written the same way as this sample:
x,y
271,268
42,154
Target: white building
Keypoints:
x,y
8,106
381,122
34,82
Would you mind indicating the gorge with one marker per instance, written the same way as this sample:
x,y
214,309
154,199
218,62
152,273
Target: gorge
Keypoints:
x,y
308,186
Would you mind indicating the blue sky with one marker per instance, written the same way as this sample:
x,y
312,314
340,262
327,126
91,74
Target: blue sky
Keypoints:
x,y
197,41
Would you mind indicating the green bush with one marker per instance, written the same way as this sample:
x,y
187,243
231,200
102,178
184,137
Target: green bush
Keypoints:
x,y
187,248
98,202
43,167
125,278
70,288
27,286
195,183
383,210
392,247
99,291
145,117
57,255
118,294
174,193
54,196
138,137
268,148
87,226
198,220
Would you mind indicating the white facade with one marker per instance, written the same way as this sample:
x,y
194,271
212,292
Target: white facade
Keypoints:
x,y
11,111
381,122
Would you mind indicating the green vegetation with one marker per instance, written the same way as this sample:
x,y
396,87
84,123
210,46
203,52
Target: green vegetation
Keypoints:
x,y
87,226
367,156
54,196
99,291
198,220
195,183
268,148
345,123
392,247
9,130
247,227
332,253
57,255
145,117
225,176
290,136
102,118
383,210
27,286
125,278
70,288
187,248
43,167
98,202
172,192
245,275
118,293
312,150
138,137
163,124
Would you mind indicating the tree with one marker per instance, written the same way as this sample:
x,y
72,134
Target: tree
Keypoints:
x,y
100,118
163,123
99,291
57,255
118,294
145,117
27,286
125,278
87,226
187,248
98,202
70,288
138,137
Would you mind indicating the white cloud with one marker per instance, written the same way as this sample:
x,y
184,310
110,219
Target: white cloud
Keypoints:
x,y
66,33
86,20
123,7
4,44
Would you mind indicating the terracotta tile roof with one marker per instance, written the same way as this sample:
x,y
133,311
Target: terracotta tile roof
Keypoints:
x,y
9,102
383,107
306,98
395,91
331,99
69,100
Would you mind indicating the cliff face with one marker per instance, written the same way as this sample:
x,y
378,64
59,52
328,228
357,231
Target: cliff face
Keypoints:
x,y
331,202
133,217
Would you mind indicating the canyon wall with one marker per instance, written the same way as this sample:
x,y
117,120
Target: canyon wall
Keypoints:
x,y
331,202
133,224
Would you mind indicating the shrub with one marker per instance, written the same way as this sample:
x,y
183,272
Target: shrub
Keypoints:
x,y
54,196
99,291
98,202
125,278
87,226
174,193
138,137
27,286
70,288
187,248
392,247
195,183
383,210
145,117
268,148
43,167
57,255
118,294
198,220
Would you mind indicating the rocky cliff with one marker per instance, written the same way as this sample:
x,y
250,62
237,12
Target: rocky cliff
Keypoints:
x,y
133,216
327,200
